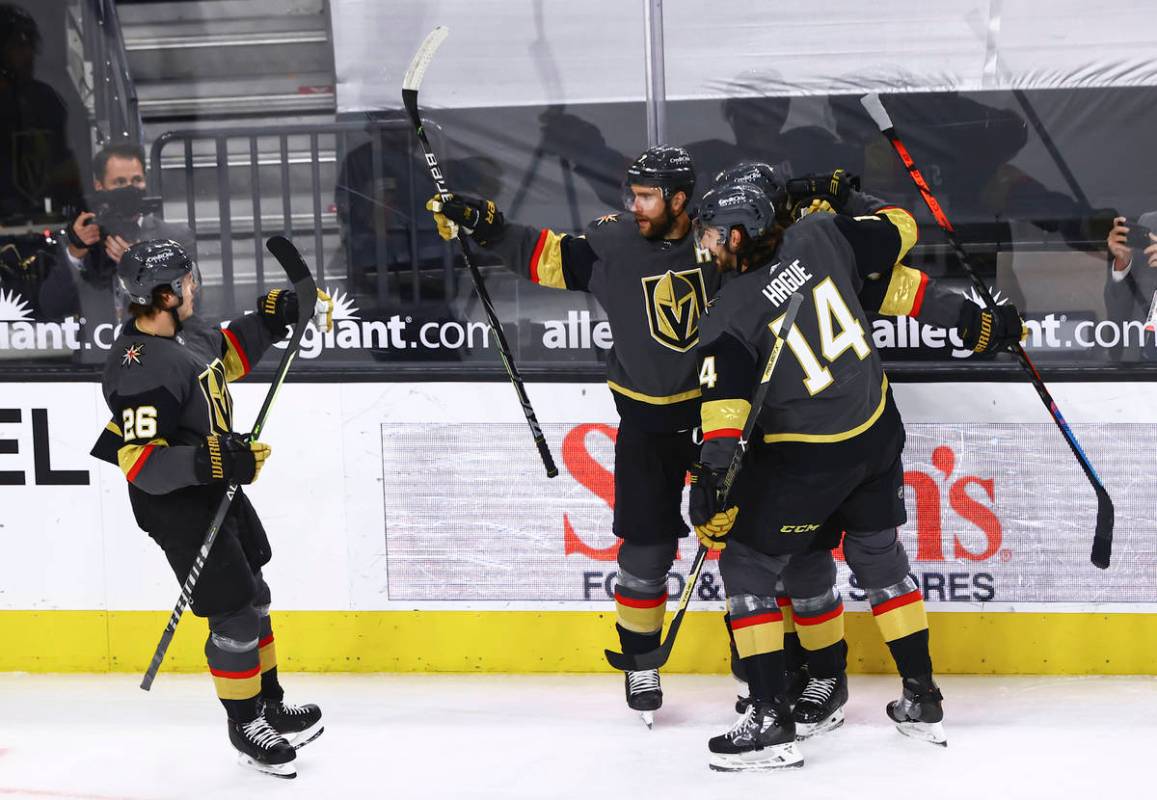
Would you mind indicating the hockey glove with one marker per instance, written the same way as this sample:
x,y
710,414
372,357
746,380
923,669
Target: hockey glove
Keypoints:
x,y
479,218
230,458
711,524
990,331
828,192
278,310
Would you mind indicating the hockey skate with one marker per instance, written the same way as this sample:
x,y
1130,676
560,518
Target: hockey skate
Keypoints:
x,y
299,725
793,679
918,713
762,740
644,694
821,706
261,747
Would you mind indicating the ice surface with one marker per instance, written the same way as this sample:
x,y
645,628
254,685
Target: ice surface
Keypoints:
x,y
483,736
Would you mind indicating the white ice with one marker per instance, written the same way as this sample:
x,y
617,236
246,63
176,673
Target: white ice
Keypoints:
x,y
482,736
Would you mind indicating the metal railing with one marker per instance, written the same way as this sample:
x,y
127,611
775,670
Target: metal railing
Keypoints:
x,y
115,105
236,156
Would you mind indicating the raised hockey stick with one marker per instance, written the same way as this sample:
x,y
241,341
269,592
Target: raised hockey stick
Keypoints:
x,y
302,280
658,657
1103,535
410,85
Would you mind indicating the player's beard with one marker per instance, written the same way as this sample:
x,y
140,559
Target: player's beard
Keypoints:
x,y
658,228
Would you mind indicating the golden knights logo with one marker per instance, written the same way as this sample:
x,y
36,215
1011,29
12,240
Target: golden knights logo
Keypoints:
x,y
217,397
675,301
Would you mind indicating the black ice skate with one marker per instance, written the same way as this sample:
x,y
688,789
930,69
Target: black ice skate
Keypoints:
x,y
821,706
644,693
763,739
918,713
299,725
793,679
263,748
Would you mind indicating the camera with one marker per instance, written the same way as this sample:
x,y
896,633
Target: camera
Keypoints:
x,y
118,212
1138,236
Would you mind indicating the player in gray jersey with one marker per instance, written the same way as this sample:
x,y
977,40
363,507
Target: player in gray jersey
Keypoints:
x,y
653,283
829,454
167,385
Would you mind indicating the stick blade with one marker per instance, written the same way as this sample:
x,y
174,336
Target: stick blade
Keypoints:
x,y
421,60
1103,538
627,662
288,257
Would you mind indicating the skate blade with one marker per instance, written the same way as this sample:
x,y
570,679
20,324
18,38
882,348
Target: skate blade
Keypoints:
x,y
648,718
769,759
806,730
300,740
286,770
931,732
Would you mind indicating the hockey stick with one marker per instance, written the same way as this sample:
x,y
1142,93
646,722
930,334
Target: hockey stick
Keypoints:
x,y
658,657
299,275
410,85
1103,535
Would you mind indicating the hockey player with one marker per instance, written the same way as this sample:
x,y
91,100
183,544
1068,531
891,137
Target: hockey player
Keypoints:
x,y
167,385
653,282
815,652
832,437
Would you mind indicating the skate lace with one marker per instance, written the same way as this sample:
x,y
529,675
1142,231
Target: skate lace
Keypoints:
x,y
818,690
292,710
643,681
261,733
743,724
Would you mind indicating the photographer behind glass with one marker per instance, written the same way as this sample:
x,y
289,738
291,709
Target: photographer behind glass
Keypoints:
x,y
82,282
1131,290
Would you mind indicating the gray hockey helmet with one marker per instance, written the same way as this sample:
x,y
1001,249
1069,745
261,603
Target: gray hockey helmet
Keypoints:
x,y
151,264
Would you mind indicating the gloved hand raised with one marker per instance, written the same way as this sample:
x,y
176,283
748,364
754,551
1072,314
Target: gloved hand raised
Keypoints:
x,y
712,524
479,218
278,309
985,331
821,192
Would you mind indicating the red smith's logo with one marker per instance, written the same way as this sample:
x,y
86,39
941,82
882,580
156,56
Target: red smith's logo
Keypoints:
x,y
965,497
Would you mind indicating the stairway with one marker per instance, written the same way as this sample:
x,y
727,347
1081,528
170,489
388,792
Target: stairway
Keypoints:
x,y
212,64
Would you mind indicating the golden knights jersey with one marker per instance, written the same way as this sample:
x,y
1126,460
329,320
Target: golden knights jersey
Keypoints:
x,y
829,384
654,293
166,396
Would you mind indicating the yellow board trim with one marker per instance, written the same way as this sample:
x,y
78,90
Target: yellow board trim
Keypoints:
x,y
1023,643
835,437
652,399
903,287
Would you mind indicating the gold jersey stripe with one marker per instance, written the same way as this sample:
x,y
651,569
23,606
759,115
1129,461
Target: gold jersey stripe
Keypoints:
x,y
906,224
112,426
652,399
546,262
905,291
835,437
725,414
128,454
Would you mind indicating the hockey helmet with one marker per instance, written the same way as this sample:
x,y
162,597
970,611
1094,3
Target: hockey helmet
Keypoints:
x,y
149,265
667,167
735,204
760,175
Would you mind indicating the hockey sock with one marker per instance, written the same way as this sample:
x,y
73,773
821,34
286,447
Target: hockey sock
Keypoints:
x,y
757,625
900,615
794,659
819,622
270,687
639,607
234,663
736,661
